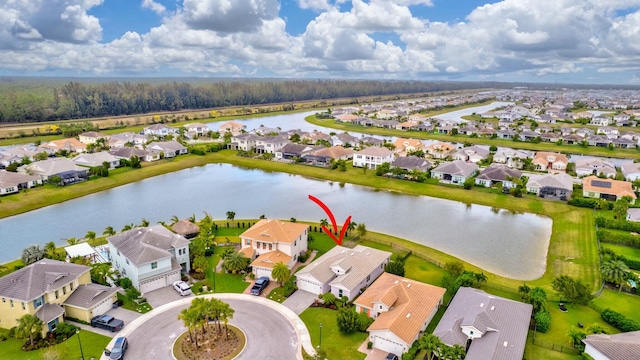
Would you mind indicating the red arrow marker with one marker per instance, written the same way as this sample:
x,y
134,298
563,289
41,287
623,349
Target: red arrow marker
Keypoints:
x,y
333,221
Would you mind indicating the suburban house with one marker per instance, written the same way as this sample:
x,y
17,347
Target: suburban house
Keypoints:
x,y
455,172
498,173
152,257
231,127
558,185
195,130
402,309
343,271
343,139
472,154
549,161
270,241
633,214
404,146
70,145
372,157
243,141
439,150
168,148
66,169
595,166
324,156
129,152
127,139
11,182
51,290
488,326
91,137
511,157
96,159
294,151
608,189
159,130
410,163
631,171
613,347
270,144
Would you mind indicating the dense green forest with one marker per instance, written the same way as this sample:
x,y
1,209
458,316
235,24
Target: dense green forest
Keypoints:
x,y
45,99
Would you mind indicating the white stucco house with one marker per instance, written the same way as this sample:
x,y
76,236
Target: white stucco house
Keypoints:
x,y
372,157
343,271
152,257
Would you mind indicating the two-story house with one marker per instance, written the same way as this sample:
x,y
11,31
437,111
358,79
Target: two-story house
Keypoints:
x,y
159,130
51,290
372,157
549,161
152,257
272,241
343,271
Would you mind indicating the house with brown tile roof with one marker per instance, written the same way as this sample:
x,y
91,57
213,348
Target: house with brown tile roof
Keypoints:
x,y
402,309
608,189
491,327
274,241
439,150
622,346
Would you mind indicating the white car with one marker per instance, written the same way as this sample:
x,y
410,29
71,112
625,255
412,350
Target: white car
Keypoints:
x,y
182,288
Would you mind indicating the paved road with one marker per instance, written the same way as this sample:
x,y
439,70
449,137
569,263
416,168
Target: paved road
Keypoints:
x,y
269,334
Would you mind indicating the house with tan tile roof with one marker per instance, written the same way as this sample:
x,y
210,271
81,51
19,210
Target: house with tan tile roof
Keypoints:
x,y
403,145
439,150
273,241
402,309
550,161
91,137
231,127
343,271
71,145
608,189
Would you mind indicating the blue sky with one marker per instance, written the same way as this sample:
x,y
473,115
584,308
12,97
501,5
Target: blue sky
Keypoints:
x,y
564,41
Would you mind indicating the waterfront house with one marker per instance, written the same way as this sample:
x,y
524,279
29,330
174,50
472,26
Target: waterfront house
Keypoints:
x,y
608,189
64,168
97,159
11,182
631,171
558,185
372,157
455,172
168,148
498,173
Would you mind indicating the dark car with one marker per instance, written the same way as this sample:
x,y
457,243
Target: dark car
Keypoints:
x,y
118,350
107,322
391,356
260,285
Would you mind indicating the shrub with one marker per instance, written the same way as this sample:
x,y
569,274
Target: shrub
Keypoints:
x,y
347,320
412,352
65,330
132,293
611,237
364,322
618,224
583,202
619,321
289,287
124,282
369,345
543,321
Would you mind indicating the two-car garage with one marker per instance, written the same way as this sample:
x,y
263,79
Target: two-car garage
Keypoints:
x,y
159,282
309,286
382,342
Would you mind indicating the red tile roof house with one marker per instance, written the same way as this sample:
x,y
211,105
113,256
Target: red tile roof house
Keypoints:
x,y
273,241
402,308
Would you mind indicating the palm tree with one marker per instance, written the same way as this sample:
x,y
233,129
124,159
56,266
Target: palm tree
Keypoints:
x,y
29,326
50,248
362,230
615,271
429,343
174,219
576,336
524,291
128,227
235,261
324,222
226,313
231,215
458,352
109,231
280,273
90,236
293,220
186,315
192,218
352,226
72,241
144,222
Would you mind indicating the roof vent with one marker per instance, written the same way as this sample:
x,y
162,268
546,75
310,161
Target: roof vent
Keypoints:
x,y
481,304
493,308
505,344
408,314
408,285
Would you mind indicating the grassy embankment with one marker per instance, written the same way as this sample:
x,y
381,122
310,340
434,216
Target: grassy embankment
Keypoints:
x,y
543,146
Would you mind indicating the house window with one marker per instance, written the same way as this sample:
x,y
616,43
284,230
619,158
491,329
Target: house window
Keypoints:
x,y
57,295
368,278
471,332
127,261
339,292
247,242
270,246
71,286
38,302
124,272
295,243
154,265
380,307
64,290
295,257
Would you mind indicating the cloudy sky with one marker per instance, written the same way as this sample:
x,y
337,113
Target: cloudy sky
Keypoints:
x,y
564,41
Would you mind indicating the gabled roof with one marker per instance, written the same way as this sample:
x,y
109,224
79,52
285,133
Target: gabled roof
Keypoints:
x,y
292,148
94,159
504,324
39,278
411,302
623,346
542,157
272,230
375,151
359,261
333,152
267,260
458,168
411,162
146,244
556,181
88,295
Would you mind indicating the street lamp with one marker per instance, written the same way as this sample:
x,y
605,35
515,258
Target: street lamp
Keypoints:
x,y
320,344
80,343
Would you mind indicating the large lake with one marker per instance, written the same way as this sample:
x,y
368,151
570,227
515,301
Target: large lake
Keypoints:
x,y
513,245
499,241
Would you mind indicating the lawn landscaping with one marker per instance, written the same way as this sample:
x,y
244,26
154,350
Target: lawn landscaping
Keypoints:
x,y
626,251
93,346
277,295
626,304
134,306
336,344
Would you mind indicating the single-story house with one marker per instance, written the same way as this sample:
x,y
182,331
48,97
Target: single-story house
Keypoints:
x,y
293,151
549,161
455,172
343,271
159,130
64,168
498,173
558,185
129,152
97,159
489,326
624,346
324,156
71,145
11,182
608,189
402,309
91,137
631,171
472,154
168,148
595,166
410,163
633,214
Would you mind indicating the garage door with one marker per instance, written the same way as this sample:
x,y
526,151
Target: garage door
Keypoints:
x,y
309,286
171,278
103,307
260,272
387,345
151,285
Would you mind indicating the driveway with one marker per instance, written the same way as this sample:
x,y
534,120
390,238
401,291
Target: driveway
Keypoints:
x,y
299,301
123,314
165,295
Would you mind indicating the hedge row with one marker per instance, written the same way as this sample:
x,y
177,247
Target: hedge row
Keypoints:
x,y
583,202
618,224
619,321
611,237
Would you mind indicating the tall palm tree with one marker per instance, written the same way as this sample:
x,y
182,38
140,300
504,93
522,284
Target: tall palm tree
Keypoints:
x,y
90,236
128,227
235,261
186,315
430,344
29,326
144,222
458,352
280,273
615,271
226,313
352,226
50,248
324,222
72,241
109,231
174,219
231,215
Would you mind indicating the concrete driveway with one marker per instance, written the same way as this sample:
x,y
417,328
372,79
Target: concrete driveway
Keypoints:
x,y
165,295
123,314
299,301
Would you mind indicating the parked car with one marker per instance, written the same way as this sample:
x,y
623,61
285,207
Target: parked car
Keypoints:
x,y
182,288
107,322
391,356
260,285
118,350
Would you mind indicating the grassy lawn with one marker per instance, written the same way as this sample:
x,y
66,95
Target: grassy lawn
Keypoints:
x,y
277,295
133,306
623,303
536,352
336,344
93,346
627,251
321,243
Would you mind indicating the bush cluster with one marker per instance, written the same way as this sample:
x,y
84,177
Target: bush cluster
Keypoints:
x,y
584,202
619,321
618,224
611,237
